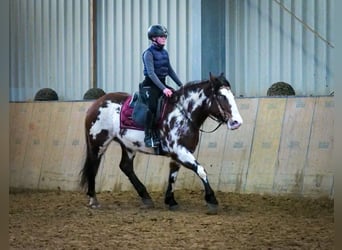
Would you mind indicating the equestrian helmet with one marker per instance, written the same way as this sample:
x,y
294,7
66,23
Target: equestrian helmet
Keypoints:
x,y
156,30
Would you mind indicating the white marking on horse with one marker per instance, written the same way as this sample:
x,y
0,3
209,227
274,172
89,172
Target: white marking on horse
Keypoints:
x,y
105,120
195,98
132,137
109,120
201,173
183,112
235,112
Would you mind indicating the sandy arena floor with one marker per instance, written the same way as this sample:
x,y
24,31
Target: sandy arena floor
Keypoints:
x,y
61,220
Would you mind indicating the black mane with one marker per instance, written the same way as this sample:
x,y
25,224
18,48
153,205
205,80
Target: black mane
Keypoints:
x,y
218,81
188,87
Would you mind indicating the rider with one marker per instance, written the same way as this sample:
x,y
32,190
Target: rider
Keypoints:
x,y
156,67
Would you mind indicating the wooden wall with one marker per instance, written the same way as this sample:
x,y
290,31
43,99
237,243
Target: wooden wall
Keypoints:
x,y
284,147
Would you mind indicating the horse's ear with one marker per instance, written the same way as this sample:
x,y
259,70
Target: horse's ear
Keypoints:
x,y
222,77
211,77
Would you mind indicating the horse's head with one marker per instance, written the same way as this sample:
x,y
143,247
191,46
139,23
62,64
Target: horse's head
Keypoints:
x,y
223,105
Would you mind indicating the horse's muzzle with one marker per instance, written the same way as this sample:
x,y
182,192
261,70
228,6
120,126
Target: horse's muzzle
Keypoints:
x,y
233,124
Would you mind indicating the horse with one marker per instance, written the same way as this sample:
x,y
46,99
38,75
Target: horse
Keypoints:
x,y
179,127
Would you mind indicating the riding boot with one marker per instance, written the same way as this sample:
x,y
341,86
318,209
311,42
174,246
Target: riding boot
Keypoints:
x,y
148,131
149,138
156,137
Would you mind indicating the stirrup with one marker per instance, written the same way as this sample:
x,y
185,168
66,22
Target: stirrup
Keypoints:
x,y
150,143
155,137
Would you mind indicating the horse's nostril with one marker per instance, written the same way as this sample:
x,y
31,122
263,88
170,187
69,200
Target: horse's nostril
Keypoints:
x,y
234,125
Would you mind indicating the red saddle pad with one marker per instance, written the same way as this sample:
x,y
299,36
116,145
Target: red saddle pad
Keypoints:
x,y
126,120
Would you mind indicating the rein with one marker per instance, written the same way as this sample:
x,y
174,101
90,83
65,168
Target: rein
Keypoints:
x,y
181,109
199,128
211,131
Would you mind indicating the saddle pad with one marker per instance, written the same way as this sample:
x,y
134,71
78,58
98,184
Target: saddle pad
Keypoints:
x,y
126,120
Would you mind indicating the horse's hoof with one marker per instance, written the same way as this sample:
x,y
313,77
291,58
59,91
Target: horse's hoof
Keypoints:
x,y
212,209
147,203
93,203
94,206
174,207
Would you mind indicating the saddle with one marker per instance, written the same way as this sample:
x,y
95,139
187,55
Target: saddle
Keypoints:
x,y
133,112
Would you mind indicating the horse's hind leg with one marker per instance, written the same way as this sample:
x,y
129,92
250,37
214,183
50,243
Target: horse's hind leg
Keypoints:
x,y
126,165
169,195
89,172
91,182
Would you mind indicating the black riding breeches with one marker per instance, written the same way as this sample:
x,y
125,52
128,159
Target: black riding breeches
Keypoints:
x,y
150,94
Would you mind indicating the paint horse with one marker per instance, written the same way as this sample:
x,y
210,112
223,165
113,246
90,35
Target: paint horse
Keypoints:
x,y
179,125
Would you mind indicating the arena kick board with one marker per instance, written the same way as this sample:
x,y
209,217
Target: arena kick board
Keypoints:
x,y
284,146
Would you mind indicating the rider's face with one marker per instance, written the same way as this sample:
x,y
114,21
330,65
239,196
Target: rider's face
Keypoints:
x,y
160,40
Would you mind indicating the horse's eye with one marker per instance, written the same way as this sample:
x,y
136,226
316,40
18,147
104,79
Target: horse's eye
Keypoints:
x,y
222,98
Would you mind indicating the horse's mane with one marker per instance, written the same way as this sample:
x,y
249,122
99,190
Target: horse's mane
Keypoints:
x,y
194,82
190,86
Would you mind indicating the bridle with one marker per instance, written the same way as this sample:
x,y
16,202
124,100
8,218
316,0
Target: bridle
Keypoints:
x,y
219,106
223,119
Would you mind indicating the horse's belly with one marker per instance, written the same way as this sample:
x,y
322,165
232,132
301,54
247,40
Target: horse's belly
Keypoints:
x,y
133,136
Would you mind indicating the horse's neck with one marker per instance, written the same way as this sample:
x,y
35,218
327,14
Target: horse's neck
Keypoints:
x,y
193,106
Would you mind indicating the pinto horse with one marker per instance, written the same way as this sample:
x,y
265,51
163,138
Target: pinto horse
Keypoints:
x,y
179,127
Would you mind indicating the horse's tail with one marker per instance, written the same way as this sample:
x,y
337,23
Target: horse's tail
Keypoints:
x,y
86,166
91,164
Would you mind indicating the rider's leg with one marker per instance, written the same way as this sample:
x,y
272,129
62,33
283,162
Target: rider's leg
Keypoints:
x,y
145,95
151,95
148,130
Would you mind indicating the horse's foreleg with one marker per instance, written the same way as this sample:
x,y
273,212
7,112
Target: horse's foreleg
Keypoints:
x,y
169,195
126,165
209,193
189,161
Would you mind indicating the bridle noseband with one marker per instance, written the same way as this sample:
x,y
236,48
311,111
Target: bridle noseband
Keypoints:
x,y
224,117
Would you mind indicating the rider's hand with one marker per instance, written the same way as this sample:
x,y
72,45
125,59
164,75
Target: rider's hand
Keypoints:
x,y
167,92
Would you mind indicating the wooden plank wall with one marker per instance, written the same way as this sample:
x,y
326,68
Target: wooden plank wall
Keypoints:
x,y
284,147
265,146
236,157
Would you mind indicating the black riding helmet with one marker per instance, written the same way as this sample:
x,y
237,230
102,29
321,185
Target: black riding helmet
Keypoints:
x,y
156,30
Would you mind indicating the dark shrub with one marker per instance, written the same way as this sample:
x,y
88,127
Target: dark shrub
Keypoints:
x,y
46,94
280,88
93,93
